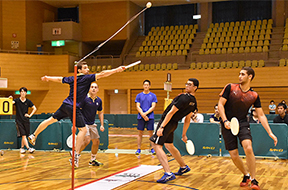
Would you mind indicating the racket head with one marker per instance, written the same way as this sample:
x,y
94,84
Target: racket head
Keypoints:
x,y
190,147
69,141
234,125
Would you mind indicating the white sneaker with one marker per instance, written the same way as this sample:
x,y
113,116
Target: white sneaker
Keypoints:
x,y
31,150
76,161
32,139
22,151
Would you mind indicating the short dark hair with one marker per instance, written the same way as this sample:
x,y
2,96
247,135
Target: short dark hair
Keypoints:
x,y
283,105
23,88
250,71
147,81
195,82
272,101
80,64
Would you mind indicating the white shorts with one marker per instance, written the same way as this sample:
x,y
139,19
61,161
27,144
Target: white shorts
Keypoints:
x,y
92,131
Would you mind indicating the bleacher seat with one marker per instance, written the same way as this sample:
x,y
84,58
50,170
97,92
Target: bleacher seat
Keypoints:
x,y
222,65
193,65
98,69
282,63
147,67
175,66
158,66
169,66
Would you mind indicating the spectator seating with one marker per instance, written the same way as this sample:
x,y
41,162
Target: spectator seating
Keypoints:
x,y
227,65
168,40
238,37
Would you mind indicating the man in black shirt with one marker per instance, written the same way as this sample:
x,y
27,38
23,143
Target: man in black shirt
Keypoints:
x,y
22,118
282,117
182,105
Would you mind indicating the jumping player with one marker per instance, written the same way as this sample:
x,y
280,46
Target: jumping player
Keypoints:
x,y
84,80
182,105
235,101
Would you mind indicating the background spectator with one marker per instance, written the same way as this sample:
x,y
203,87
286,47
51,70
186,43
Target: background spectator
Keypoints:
x,y
215,118
282,117
272,107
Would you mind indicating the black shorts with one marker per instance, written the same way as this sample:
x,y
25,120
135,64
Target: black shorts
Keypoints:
x,y
23,128
231,142
168,133
65,111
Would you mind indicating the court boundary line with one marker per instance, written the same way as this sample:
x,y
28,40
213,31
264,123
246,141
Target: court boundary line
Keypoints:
x,y
106,177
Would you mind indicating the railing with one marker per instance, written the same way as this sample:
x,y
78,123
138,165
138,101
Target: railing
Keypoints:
x,y
36,52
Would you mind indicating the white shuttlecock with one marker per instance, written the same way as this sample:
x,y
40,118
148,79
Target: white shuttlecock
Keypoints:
x,y
149,4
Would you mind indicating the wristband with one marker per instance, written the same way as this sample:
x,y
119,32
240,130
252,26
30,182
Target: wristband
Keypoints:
x,y
161,127
225,121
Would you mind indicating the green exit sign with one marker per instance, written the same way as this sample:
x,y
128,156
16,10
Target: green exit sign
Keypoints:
x,y
58,43
18,92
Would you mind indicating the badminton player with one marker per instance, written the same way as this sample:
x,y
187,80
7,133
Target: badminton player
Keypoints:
x,y
89,107
182,105
235,101
84,80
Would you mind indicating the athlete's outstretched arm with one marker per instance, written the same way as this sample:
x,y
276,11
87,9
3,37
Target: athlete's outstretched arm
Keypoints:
x,y
221,109
264,122
53,79
107,73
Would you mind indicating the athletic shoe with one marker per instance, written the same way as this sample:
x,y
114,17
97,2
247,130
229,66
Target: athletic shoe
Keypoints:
x,y
138,151
76,161
2,152
254,185
182,171
95,163
245,181
32,139
166,177
22,151
152,151
31,150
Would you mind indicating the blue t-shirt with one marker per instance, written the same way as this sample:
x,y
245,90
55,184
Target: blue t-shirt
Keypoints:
x,y
146,101
83,86
89,108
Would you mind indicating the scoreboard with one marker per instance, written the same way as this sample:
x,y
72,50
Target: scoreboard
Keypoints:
x,y
6,106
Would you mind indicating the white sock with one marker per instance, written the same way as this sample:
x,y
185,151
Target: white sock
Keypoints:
x,y
169,173
93,156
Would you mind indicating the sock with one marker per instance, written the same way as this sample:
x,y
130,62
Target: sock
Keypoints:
x,y
93,157
183,167
169,173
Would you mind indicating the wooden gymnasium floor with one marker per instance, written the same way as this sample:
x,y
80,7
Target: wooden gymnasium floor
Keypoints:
x,y
51,170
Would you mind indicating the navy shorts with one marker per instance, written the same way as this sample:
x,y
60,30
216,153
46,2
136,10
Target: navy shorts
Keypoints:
x,y
168,133
231,142
23,128
65,111
149,124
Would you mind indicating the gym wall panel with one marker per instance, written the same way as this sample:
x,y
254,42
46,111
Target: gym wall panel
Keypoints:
x,y
1,28
101,20
13,22
26,70
34,18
